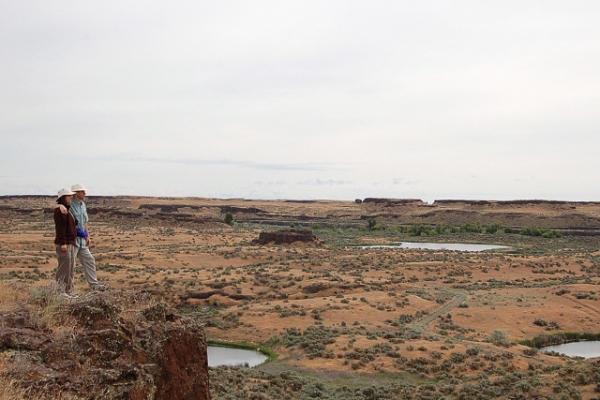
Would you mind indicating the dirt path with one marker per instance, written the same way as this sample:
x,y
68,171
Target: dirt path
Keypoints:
x,y
422,323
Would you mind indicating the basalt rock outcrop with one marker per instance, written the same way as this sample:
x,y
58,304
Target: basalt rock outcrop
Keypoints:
x,y
287,237
566,217
106,347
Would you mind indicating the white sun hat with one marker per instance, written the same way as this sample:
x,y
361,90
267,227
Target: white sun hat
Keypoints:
x,y
65,192
78,187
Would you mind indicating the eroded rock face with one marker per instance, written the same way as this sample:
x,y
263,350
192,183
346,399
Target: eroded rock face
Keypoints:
x,y
108,352
287,237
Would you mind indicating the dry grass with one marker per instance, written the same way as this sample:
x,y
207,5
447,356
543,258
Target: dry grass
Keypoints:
x,y
48,307
9,387
11,293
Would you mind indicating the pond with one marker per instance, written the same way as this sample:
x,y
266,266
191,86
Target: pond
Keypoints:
x,y
218,356
589,349
443,246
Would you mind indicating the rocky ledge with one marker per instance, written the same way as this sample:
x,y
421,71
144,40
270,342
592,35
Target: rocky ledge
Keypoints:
x,y
287,237
117,345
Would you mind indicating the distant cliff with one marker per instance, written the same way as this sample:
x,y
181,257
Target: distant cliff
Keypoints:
x,y
568,217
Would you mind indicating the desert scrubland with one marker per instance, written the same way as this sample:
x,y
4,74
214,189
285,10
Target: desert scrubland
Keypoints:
x,y
346,320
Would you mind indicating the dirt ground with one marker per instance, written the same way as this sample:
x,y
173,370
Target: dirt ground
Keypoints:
x,y
336,305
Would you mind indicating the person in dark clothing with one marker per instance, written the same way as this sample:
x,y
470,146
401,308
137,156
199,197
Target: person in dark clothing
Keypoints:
x,y
83,241
66,233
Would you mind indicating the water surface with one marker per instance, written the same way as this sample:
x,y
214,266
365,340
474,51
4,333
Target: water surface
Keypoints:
x,y
589,349
443,246
218,356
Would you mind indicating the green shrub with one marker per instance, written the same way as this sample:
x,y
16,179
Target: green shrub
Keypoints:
x,y
560,338
471,228
542,232
421,230
444,228
373,225
493,228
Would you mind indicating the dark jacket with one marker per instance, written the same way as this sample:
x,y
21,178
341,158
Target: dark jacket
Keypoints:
x,y
65,228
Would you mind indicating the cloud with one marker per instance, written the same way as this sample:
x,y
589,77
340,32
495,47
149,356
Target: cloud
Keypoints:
x,y
324,182
405,182
388,99
138,158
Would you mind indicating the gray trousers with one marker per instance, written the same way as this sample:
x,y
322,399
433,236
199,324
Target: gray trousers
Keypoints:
x,y
65,273
88,264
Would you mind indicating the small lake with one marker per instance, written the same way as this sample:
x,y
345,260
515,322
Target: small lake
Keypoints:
x,y
442,246
589,349
218,356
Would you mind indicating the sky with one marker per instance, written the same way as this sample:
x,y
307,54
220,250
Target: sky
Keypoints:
x,y
339,100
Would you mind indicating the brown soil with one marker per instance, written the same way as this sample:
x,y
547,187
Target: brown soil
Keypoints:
x,y
415,303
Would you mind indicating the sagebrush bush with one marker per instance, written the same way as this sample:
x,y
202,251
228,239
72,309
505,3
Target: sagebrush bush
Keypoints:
x,y
499,338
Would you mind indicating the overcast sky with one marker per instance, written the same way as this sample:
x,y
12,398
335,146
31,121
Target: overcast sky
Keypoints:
x,y
318,99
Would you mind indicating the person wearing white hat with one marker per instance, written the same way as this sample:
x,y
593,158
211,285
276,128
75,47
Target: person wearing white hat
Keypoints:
x,y
66,233
82,251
